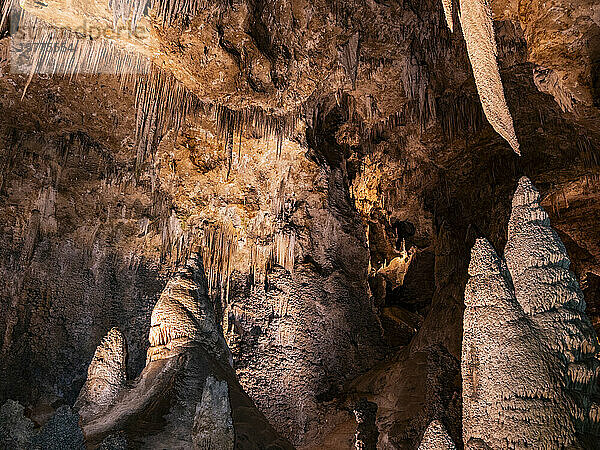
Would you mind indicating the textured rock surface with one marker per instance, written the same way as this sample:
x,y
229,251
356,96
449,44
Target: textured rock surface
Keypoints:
x,y
16,430
182,316
182,397
436,438
529,358
505,368
478,29
213,426
106,375
366,435
343,129
60,432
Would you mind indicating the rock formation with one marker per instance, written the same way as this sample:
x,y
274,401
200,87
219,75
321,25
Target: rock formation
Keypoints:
x,y
16,430
106,375
551,297
449,13
297,144
213,427
478,29
528,358
184,391
181,318
366,435
60,432
436,438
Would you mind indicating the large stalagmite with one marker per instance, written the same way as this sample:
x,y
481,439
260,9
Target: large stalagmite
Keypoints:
x,y
188,394
106,375
550,295
478,30
504,369
179,318
436,438
529,362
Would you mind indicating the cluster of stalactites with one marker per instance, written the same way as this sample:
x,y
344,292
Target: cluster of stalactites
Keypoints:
x,y
162,102
478,30
528,361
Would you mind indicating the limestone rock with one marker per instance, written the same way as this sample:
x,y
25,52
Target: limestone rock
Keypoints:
x,y
448,11
366,431
213,425
16,430
180,318
106,374
61,432
551,297
116,441
504,367
436,438
529,351
478,29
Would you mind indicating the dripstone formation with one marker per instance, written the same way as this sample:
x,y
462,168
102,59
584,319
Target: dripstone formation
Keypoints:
x,y
529,364
225,224
187,382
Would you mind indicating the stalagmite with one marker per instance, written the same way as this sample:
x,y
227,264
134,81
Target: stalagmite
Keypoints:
x,y
511,394
478,29
181,317
106,375
213,426
188,393
436,438
529,357
551,297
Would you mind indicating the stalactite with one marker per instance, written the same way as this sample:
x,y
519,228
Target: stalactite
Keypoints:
x,y
284,250
162,101
349,58
478,29
219,247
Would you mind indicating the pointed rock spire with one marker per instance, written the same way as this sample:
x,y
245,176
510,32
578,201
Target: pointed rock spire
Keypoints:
x,y
436,438
184,314
478,30
213,425
106,375
510,391
551,297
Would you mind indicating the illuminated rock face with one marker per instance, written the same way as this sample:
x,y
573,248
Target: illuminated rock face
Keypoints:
x,y
436,438
183,393
106,375
448,11
528,362
478,30
180,318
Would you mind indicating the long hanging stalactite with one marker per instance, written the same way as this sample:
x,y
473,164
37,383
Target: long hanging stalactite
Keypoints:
x,y
478,29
